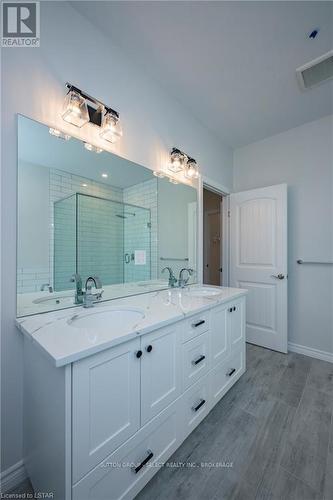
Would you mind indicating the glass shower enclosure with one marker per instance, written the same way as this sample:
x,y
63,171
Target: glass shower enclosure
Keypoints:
x,y
103,237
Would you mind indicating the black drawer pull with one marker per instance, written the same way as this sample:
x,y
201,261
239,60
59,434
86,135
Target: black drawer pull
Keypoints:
x,y
144,462
196,408
149,348
198,360
231,372
234,308
230,309
138,354
201,322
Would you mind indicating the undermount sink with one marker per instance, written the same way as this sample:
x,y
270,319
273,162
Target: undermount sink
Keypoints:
x,y
119,319
204,291
56,300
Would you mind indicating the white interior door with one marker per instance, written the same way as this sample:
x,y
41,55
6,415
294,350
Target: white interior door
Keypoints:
x,y
258,262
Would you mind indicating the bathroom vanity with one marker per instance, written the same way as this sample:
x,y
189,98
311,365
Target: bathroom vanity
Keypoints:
x,y
111,392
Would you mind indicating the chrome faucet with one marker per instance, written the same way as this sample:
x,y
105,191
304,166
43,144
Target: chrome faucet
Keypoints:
x,y
172,278
90,298
79,293
48,286
86,297
182,282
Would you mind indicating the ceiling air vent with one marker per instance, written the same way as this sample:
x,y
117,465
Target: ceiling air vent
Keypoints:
x,y
315,72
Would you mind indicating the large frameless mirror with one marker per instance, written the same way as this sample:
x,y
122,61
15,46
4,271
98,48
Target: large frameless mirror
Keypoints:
x,y
94,214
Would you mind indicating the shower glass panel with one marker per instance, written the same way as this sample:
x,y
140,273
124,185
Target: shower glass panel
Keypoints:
x,y
64,259
97,236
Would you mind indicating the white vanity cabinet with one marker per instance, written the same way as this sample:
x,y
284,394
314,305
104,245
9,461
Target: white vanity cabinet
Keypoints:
x,y
126,409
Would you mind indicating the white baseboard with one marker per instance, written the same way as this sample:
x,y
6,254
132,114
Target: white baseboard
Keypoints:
x,y
309,351
12,477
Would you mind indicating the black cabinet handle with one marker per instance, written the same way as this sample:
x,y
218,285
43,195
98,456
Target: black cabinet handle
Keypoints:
x,y
144,462
201,322
231,372
198,360
234,308
138,354
199,405
230,309
149,348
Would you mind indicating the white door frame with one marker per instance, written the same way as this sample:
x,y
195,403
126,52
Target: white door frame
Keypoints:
x,y
212,185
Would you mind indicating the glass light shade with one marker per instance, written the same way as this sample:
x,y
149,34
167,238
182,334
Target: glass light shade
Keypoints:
x,y
91,147
191,170
111,128
60,135
177,161
75,109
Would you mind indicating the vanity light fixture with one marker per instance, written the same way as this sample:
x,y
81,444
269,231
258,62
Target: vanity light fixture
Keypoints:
x,y
177,160
81,108
60,135
191,169
111,127
91,147
181,162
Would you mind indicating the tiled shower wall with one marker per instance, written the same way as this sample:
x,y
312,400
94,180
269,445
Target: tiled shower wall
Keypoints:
x,y
136,234
63,184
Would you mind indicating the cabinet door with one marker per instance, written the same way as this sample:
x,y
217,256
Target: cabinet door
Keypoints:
x,y
237,323
106,404
160,370
220,343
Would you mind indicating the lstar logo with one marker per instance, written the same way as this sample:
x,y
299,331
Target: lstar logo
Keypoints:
x,y
20,24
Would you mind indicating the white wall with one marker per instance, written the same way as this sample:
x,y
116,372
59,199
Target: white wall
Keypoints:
x,y
33,84
303,158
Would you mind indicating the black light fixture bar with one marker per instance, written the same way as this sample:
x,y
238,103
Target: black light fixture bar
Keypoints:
x,y
100,105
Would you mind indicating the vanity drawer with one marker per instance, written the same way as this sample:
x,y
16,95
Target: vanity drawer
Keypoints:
x,y
196,404
225,374
195,325
116,478
195,359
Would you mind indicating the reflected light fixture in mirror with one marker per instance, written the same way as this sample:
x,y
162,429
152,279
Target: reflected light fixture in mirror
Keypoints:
x,y
60,135
111,127
75,109
91,147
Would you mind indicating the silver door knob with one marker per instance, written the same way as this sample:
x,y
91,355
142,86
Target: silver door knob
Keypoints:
x,y
278,276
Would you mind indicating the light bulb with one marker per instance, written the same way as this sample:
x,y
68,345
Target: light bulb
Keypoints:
x,y
105,176
75,109
111,128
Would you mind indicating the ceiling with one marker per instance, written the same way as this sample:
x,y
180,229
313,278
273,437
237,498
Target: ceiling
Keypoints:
x,y
37,146
232,64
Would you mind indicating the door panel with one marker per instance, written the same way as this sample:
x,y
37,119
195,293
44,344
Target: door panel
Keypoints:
x,y
258,231
160,370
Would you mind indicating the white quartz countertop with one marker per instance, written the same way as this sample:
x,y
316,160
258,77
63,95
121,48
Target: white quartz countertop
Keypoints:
x,y
64,344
